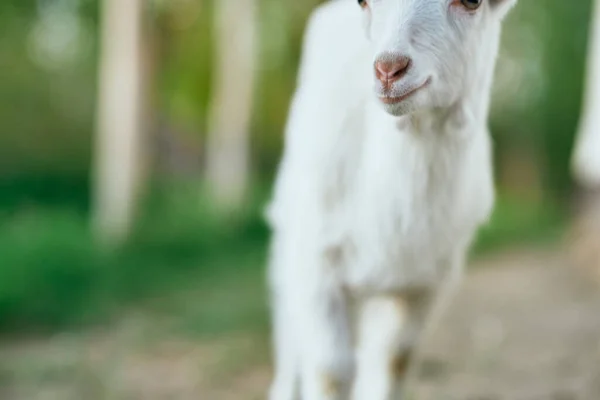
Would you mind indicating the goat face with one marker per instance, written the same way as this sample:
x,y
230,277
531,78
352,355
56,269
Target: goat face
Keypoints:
x,y
427,52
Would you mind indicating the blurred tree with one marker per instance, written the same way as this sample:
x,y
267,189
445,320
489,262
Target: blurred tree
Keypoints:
x,y
586,157
228,146
119,140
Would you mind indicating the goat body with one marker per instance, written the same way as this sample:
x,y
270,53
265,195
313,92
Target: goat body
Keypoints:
x,y
372,217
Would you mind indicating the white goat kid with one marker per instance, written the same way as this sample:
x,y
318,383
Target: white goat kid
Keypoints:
x,y
379,192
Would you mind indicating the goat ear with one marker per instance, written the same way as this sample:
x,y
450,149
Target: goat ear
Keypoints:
x,y
502,7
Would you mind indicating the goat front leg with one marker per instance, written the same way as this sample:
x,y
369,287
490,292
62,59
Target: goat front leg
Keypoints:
x,y
390,327
285,347
323,331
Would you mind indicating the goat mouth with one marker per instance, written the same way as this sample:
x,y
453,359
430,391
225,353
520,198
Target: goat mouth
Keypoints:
x,y
395,100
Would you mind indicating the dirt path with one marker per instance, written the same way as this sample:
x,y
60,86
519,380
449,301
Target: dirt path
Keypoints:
x,y
522,327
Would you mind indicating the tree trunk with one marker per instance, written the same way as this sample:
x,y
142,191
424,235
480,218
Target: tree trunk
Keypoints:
x,y
228,143
586,160
118,147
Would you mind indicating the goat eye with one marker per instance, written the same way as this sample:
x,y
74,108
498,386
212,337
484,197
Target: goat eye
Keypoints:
x,y
471,4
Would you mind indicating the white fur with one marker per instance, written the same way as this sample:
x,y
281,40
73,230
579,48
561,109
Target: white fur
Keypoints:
x,y
375,206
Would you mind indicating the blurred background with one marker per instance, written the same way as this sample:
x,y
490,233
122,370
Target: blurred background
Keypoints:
x,y
138,144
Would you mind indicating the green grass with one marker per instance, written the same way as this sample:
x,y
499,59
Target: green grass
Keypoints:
x,y
519,222
200,271
53,275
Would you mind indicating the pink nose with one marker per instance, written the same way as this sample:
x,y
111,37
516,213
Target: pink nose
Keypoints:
x,y
392,69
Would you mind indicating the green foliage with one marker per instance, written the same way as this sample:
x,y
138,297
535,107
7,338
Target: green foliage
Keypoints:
x,y
516,221
52,274
55,190
46,105
543,61
47,264
566,37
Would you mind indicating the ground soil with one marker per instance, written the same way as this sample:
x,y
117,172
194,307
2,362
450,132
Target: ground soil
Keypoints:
x,y
524,326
